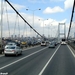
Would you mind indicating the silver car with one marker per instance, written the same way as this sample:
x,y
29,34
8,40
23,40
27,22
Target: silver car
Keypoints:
x,y
51,45
12,50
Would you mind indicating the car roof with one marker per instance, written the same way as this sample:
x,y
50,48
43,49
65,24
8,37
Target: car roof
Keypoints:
x,y
11,43
11,46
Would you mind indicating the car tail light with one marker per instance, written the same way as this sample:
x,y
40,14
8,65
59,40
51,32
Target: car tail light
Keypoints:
x,y
13,50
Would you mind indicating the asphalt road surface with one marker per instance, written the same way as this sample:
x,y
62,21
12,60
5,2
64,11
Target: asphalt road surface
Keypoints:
x,y
40,60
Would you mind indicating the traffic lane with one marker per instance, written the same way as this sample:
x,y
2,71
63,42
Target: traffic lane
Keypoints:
x,y
63,63
31,65
6,60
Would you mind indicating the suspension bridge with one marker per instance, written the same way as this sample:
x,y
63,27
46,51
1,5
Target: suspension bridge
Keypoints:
x,y
53,61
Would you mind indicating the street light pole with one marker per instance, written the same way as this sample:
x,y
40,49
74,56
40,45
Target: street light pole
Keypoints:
x,y
43,25
33,14
51,28
48,31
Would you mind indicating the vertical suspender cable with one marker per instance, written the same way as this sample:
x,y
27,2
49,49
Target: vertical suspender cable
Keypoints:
x,y
7,19
24,29
30,31
15,25
18,26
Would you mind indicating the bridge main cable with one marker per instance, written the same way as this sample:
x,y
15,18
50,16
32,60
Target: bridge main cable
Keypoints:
x,y
22,17
71,19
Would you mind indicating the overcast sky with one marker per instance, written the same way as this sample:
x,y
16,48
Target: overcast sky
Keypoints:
x,y
51,14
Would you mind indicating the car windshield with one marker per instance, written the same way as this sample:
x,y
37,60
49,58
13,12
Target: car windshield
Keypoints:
x,y
10,44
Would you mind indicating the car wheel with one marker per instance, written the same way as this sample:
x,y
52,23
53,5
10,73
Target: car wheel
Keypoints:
x,y
21,53
17,54
6,55
2,52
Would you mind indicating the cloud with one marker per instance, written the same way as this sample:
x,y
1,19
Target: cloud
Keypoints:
x,y
38,25
51,26
6,6
13,19
18,7
50,10
68,4
63,21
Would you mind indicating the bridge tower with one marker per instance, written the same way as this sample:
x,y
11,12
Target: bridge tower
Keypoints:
x,y
61,31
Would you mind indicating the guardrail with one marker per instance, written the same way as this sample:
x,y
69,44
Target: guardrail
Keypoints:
x,y
72,44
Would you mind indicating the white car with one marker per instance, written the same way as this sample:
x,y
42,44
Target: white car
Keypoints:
x,y
12,50
43,43
63,43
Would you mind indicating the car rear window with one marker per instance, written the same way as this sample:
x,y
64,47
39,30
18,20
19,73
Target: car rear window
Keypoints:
x,y
52,43
10,44
10,48
43,42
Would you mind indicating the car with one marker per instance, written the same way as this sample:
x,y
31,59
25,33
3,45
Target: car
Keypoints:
x,y
43,43
12,50
51,45
24,44
63,43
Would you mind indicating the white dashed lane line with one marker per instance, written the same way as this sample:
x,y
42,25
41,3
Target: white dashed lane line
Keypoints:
x,y
23,58
70,48
48,61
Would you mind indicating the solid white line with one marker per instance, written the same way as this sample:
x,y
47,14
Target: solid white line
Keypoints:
x,y
71,50
48,61
22,58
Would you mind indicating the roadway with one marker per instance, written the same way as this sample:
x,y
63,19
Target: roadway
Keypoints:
x,y
40,61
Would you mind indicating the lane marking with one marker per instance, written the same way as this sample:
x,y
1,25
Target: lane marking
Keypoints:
x,y
48,61
1,55
22,58
71,50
